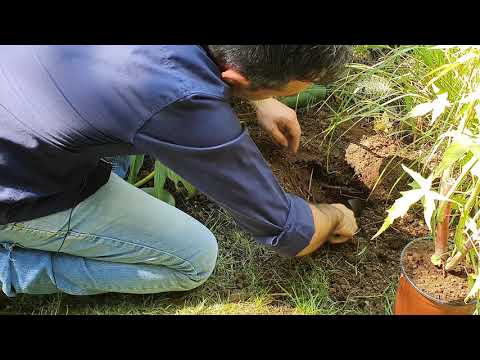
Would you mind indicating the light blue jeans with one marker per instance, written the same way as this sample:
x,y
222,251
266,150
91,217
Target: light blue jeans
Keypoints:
x,y
120,240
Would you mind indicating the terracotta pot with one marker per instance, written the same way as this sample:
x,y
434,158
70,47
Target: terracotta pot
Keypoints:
x,y
412,301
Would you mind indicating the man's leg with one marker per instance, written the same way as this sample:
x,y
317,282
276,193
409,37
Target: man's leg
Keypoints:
x,y
120,240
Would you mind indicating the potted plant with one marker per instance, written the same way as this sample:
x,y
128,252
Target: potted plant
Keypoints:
x,y
440,275
437,278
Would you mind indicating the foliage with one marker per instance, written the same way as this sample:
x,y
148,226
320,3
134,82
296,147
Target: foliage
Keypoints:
x,y
446,101
160,174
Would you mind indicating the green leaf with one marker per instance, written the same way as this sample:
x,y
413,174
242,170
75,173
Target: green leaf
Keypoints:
x,y
472,227
191,190
475,149
452,154
165,196
386,224
438,106
474,96
476,169
136,162
458,200
471,280
429,207
425,184
436,260
414,185
173,177
474,291
403,204
421,109
162,195
159,178
162,173
400,207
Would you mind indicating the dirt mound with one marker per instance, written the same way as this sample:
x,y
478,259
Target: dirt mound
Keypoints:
x,y
376,161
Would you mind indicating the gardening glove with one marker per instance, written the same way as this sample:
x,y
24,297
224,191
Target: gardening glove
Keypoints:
x,y
334,223
347,225
280,122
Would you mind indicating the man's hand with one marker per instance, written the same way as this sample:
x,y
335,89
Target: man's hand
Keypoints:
x,y
347,226
334,223
280,122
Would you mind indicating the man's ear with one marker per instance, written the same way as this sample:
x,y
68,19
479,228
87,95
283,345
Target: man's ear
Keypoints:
x,y
234,78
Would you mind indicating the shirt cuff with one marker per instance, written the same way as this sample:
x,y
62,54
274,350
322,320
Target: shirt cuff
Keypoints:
x,y
297,231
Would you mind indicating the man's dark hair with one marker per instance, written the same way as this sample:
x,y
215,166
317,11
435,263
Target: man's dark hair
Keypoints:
x,y
273,66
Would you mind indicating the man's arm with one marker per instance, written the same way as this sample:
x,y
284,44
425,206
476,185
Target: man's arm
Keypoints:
x,y
201,139
333,222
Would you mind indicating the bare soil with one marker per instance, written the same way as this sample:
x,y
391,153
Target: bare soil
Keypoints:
x,y
448,287
371,157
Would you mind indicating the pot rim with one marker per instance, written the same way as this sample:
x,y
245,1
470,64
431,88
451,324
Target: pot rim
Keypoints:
x,y
423,293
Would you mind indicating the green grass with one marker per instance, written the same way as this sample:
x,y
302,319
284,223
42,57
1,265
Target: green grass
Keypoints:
x,y
248,279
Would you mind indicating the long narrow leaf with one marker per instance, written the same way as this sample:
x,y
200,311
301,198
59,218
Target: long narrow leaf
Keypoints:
x,y
162,195
159,178
191,190
136,162
451,155
474,290
400,208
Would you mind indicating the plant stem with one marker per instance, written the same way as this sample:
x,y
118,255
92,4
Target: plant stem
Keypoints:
x,y
441,236
145,179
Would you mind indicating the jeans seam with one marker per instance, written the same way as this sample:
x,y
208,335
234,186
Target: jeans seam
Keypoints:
x,y
80,234
8,226
136,288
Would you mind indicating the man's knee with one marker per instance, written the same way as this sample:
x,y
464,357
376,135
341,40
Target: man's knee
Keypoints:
x,y
204,258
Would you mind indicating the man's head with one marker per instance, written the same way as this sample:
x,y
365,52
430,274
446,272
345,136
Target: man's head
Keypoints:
x,y
260,71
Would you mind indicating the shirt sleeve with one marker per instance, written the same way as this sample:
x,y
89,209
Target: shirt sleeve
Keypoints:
x,y
201,139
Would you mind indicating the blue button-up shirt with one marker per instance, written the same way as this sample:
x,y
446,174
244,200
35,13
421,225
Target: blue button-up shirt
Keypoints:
x,y
63,108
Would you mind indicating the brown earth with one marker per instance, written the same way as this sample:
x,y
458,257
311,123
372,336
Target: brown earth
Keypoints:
x,y
446,287
373,155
